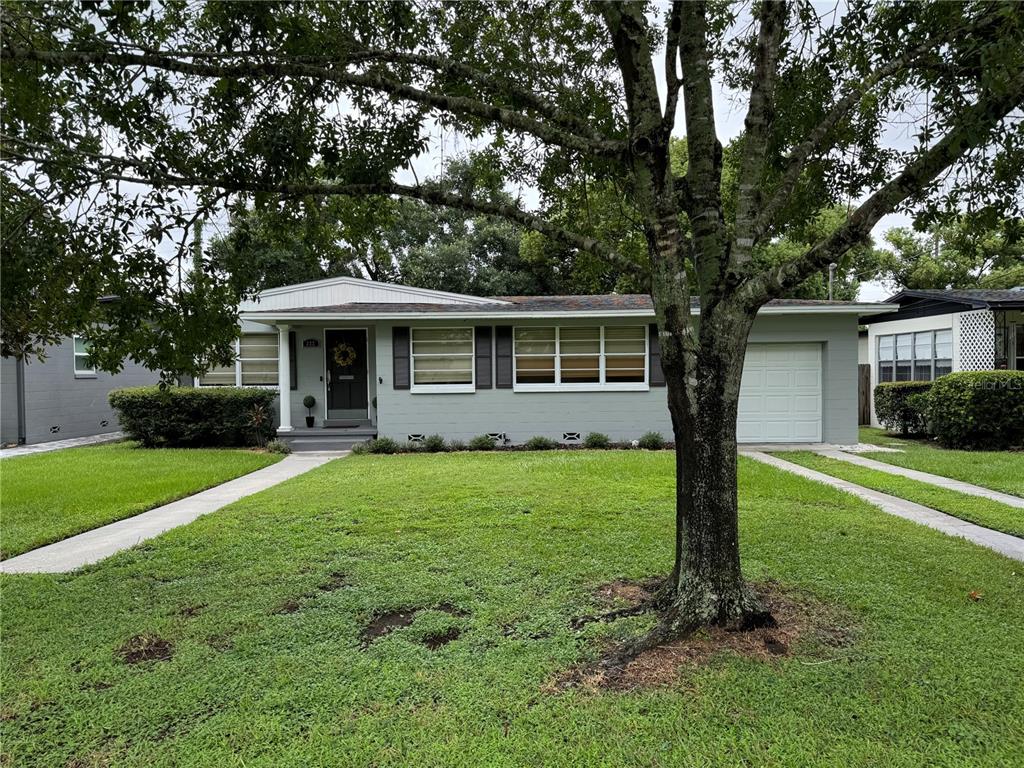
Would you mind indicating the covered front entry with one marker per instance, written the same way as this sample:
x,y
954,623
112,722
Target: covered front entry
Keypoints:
x,y
346,367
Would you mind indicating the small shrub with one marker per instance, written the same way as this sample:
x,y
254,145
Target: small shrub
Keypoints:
x,y
978,409
433,444
540,443
481,443
309,402
382,445
195,417
360,449
456,445
902,406
278,446
596,440
652,441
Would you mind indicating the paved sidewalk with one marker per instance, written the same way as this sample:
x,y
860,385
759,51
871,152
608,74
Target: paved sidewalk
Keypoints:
x,y
1003,543
94,545
926,477
782,447
57,445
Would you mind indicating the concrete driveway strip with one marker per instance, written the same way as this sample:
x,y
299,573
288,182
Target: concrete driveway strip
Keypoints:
x,y
1003,543
926,477
99,543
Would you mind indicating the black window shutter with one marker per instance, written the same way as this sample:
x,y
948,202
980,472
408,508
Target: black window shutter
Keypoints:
x,y
503,356
400,356
656,375
483,356
293,361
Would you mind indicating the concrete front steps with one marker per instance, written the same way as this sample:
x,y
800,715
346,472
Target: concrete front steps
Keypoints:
x,y
328,438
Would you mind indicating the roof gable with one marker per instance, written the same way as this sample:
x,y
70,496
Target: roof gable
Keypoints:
x,y
352,290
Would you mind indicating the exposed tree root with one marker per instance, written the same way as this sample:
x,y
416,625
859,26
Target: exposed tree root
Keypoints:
x,y
619,613
693,628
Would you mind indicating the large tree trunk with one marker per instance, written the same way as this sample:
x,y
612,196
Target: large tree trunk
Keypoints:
x,y
707,585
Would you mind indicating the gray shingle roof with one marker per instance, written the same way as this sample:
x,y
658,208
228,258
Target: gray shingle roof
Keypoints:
x,y
598,303
977,297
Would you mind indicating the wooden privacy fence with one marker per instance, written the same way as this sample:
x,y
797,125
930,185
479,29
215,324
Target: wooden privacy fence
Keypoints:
x,y
864,393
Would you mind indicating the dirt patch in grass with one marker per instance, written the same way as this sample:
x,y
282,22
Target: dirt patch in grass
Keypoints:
x,y
798,617
337,580
630,591
221,642
188,611
145,647
451,610
437,639
386,623
288,606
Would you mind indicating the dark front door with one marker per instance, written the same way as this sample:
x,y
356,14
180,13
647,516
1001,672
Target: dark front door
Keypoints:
x,y
346,370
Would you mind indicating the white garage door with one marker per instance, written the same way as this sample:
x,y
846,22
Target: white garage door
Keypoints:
x,y
780,400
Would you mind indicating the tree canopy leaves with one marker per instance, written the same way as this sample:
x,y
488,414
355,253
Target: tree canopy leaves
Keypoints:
x,y
125,125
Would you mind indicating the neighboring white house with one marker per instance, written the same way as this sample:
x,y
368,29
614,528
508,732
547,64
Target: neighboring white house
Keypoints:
x,y
405,362
934,332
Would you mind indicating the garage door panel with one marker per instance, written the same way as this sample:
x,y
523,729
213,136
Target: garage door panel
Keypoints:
x,y
810,379
754,375
777,406
778,378
780,399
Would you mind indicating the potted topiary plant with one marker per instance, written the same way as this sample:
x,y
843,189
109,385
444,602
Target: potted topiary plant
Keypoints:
x,y
309,401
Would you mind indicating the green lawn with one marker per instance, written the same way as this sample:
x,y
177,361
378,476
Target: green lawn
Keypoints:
x,y
998,470
49,496
975,509
263,605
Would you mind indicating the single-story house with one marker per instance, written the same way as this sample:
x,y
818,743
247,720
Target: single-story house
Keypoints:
x,y
60,396
401,362
928,333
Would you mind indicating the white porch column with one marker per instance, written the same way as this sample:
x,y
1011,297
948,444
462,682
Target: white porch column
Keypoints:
x,y
284,383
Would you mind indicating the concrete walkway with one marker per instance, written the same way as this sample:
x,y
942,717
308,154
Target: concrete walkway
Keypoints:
x,y
926,477
94,545
57,445
1003,543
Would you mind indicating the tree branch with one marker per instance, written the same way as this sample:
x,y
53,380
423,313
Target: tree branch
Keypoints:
x,y
143,172
758,126
855,91
972,130
524,96
457,105
672,80
704,151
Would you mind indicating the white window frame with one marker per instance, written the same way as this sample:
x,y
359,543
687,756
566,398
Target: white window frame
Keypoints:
x,y
598,386
913,354
238,369
276,359
76,355
442,389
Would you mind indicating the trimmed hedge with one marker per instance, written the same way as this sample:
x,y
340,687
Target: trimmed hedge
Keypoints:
x,y
194,417
978,409
651,441
540,443
902,406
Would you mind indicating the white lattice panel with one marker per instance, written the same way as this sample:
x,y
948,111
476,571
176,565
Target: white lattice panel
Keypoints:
x,y
977,340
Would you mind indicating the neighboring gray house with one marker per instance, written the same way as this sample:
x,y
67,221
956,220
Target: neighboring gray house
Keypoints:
x,y
60,396
406,362
927,333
